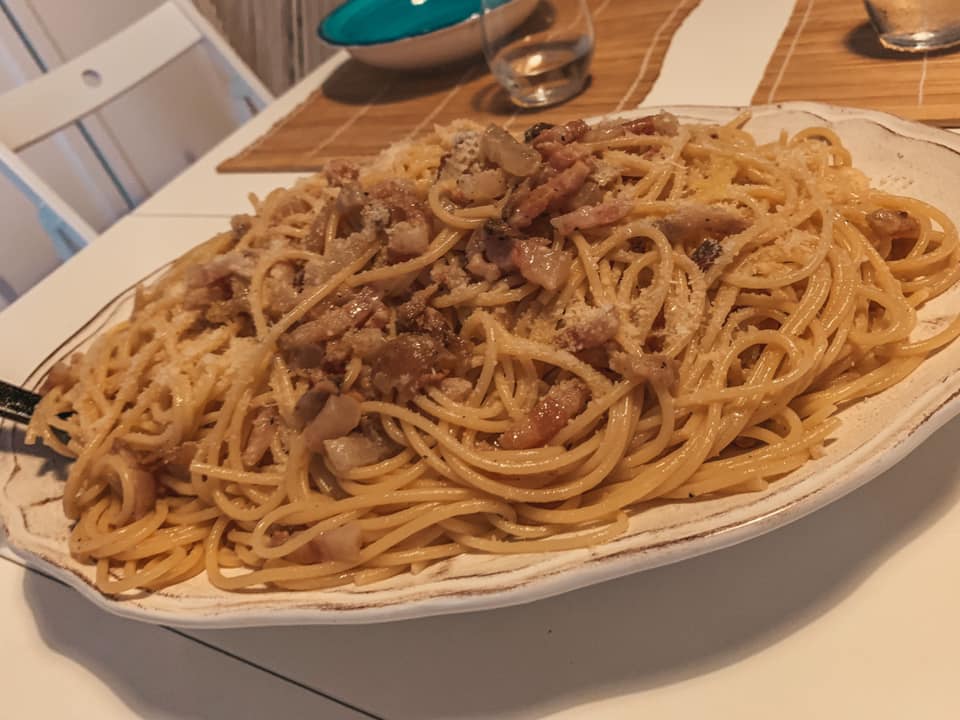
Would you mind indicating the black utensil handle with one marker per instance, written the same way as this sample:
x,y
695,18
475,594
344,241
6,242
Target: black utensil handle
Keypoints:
x,y
16,403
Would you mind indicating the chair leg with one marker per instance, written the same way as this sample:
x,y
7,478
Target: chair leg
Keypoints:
x,y
66,241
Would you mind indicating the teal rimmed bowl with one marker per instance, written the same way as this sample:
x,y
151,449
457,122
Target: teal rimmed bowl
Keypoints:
x,y
411,34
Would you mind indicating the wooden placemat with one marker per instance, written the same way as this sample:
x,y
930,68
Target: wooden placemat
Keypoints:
x,y
359,110
830,53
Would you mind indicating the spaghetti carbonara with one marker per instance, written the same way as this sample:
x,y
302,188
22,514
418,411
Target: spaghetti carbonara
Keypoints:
x,y
479,343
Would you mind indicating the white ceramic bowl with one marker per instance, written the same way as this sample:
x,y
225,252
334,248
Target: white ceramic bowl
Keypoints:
x,y
439,47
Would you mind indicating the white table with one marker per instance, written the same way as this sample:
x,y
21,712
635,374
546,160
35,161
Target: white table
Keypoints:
x,y
849,612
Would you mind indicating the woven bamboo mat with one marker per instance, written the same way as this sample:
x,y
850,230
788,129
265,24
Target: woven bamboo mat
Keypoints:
x,y
830,53
360,110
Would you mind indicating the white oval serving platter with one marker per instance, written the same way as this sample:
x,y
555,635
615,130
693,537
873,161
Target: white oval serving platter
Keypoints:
x,y
900,156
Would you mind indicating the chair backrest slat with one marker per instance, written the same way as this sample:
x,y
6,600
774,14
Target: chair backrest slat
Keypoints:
x,y
39,108
58,218
77,88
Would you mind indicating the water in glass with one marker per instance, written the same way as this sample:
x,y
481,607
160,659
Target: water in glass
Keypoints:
x,y
547,60
916,25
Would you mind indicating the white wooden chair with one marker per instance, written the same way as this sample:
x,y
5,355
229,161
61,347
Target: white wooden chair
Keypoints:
x,y
68,93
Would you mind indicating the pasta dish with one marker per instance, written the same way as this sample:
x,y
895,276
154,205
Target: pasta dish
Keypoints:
x,y
485,343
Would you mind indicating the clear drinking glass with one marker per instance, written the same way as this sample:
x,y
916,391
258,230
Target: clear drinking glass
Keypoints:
x,y
916,25
545,60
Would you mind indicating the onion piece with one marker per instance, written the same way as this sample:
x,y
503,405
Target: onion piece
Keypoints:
x,y
340,415
346,453
501,148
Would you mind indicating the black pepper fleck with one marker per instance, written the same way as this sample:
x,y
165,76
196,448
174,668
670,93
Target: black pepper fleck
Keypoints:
x,y
705,255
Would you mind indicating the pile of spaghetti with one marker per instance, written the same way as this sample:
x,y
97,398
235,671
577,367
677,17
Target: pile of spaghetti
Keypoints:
x,y
481,343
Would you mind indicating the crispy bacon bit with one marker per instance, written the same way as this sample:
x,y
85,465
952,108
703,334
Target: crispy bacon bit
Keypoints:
x,y
429,322
354,450
594,216
410,312
500,248
550,415
350,199
340,415
337,354
307,357
553,191
410,362
695,221
396,286
560,156
393,207
541,264
597,357
534,131
707,253
477,263
663,123
503,150
564,134
649,367
342,544
490,250
262,432
287,204
498,243
214,289
590,330
202,297
241,224
339,173
400,196
375,216
894,224
364,343
281,295
220,267
335,321
448,272
227,311
336,255
604,131
559,147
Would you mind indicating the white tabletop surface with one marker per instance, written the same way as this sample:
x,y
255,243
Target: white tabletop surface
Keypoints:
x,y
851,612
